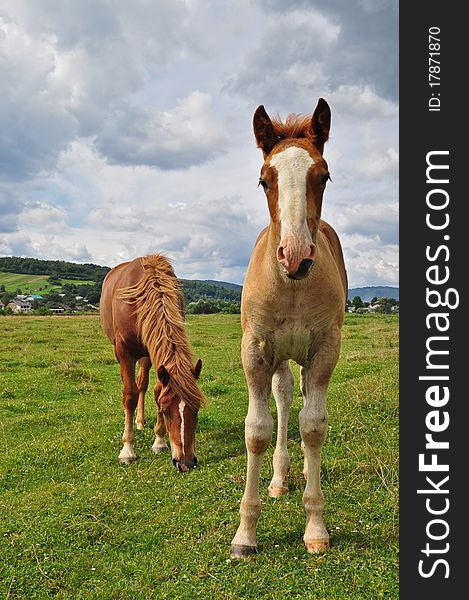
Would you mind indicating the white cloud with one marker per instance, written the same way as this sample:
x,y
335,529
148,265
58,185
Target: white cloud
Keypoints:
x,y
184,136
368,262
43,217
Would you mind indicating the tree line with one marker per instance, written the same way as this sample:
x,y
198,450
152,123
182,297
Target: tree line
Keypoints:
x,y
54,268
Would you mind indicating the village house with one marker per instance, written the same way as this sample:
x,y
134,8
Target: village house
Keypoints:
x,y
20,305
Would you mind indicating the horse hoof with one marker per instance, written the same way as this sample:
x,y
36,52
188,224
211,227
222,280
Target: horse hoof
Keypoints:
x,y
241,552
127,460
159,449
315,546
276,492
140,426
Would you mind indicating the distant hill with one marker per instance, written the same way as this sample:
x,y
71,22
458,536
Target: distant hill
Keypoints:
x,y
369,292
194,289
224,284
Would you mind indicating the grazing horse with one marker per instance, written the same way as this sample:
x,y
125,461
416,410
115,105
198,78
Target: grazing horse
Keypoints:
x,y
142,314
293,306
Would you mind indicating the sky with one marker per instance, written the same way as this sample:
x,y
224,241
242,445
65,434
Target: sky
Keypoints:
x,y
126,127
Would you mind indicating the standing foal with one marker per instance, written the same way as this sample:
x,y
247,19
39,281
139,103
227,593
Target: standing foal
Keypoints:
x,y
292,307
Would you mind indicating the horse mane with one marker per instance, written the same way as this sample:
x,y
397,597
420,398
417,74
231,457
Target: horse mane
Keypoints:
x,y
294,127
159,303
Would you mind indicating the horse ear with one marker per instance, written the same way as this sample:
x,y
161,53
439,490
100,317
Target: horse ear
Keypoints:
x,y
163,375
321,124
197,368
264,130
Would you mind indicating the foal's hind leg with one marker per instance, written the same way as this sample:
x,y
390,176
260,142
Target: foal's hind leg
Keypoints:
x,y
142,384
129,400
282,388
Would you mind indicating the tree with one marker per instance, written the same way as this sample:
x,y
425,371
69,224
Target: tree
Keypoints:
x,y
357,302
93,297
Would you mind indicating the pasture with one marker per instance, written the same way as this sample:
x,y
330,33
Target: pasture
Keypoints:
x,y
31,284
76,524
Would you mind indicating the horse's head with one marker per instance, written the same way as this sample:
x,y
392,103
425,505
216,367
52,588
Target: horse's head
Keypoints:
x,y
180,415
294,176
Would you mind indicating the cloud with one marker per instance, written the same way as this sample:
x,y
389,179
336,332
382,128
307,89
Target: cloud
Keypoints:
x,y
365,51
47,247
368,262
289,61
374,221
185,136
206,237
11,206
42,216
127,127
73,70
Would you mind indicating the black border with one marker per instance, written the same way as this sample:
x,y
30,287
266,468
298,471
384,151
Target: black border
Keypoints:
x,y
422,131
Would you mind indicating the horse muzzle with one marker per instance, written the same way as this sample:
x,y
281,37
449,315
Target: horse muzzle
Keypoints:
x,y
303,269
185,465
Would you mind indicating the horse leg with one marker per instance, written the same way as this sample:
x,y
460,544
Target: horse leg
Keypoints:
x,y
303,393
142,384
258,433
313,430
282,388
159,445
129,400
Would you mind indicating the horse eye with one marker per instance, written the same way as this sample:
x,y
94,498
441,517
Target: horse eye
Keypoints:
x,y
325,178
263,183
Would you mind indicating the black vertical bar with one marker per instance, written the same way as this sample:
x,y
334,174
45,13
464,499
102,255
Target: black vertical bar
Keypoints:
x,y
433,524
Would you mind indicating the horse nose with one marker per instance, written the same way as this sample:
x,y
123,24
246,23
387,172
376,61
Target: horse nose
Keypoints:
x,y
185,465
290,256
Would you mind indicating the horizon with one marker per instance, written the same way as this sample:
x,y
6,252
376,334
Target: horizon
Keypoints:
x,y
370,286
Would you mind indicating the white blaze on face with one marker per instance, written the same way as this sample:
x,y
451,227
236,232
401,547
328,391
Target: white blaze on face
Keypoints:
x,y
292,167
182,406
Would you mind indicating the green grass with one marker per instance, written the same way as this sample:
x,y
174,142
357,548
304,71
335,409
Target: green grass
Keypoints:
x,y
76,524
32,284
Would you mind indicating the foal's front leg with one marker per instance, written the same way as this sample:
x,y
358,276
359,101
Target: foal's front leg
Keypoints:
x,y
258,434
313,430
129,400
282,389
142,384
159,445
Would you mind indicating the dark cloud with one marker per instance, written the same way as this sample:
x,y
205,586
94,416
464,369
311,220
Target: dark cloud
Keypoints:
x,y
311,48
11,206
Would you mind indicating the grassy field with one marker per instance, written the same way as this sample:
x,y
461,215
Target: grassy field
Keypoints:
x,y
32,284
76,524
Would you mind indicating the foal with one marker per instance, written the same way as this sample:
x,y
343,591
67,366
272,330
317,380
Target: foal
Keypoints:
x,y
293,306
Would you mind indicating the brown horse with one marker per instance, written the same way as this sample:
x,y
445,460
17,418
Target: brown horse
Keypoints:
x,y
293,306
142,314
